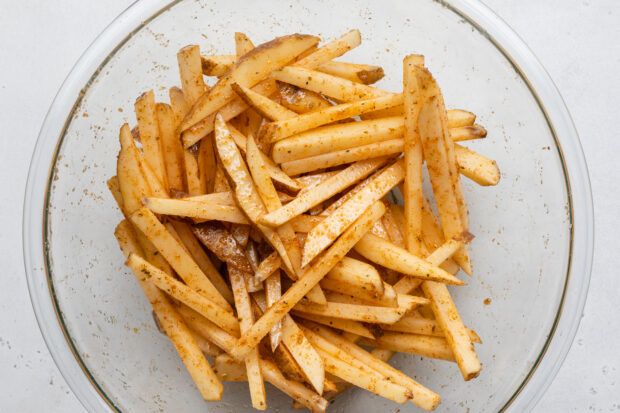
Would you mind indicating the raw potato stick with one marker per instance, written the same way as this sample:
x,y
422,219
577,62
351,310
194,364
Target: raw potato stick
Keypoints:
x,y
328,230
281,129
337,137
202,259
312,277
146,115
190,69
350,326
431,133
478,168
331,50
245,192
171,147
358,73
465,133
323,191
415,324
205,379
183,293
246,319
248,71
331,86
177,256
234,108
198,210
262,104
427,346
217,65
413,100
342,157
422,396
390,256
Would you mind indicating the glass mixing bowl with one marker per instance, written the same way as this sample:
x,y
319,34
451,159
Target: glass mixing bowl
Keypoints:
x,y
534,231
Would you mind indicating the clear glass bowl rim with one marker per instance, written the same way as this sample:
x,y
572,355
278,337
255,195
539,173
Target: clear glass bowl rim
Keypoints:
x,y
480,17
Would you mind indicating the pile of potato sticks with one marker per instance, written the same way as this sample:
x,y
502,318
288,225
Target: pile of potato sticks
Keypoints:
x,y
257,222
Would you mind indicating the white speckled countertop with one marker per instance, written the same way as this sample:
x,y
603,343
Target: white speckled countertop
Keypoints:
x,y
576,41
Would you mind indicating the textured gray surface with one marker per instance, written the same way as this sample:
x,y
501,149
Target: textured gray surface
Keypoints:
x,y
575,40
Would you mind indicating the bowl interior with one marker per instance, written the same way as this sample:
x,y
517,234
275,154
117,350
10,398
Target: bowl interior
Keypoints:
x,y
522,226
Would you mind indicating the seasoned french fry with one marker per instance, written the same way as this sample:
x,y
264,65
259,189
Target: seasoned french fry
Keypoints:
x,y
365,74
178,104
314,179
177,256
413,100
353,271
270,170
273,292
196,322
331,50
466,133
415,324
146,115
281,180
329,229
171,147
206,165
228,369
262,104
390,256
221,198
209,386
190,68
422,396
300,100
356,312
312,277
478,168
236,106
337,137
323,191
248,71
115,190
198,254
458,118
431,134
208,348
345,366
407,284
305,356
296,390
281,129
385,298
354,327
243,44
392,228
305,223
217,65
185,294
267,267
199,210
456,333
331,86
427,346
133,186
246,319
245,192
342,157
220,241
